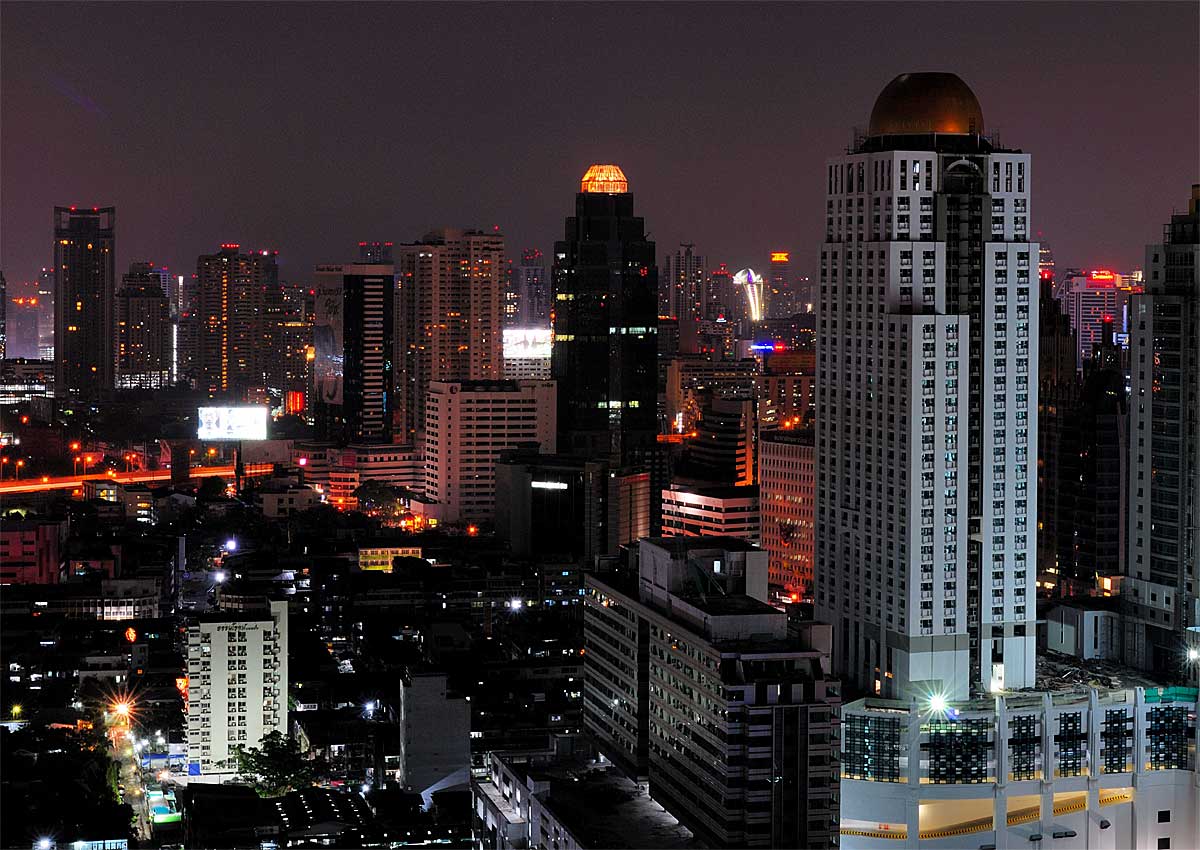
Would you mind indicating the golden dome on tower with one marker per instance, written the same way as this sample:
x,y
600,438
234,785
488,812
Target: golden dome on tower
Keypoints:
x,y
926,102
604,179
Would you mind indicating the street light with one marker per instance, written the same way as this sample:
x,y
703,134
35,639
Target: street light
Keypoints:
x,y
16,710
20,464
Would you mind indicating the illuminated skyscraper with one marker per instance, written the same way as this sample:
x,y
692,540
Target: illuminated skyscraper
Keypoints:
x,y
143,330
84,250
3,317
926,401
682,286
1162,586
720,297
45,323
449,297
235,340
605,346
781,297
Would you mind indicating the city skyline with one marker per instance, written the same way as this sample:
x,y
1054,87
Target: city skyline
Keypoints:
x,y
121,138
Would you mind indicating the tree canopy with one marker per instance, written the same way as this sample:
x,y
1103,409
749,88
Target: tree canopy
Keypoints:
x,y
276,766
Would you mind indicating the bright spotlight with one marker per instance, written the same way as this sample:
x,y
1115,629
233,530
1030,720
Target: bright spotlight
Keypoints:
x,y
219,577
230,545
937,704
1193,654
122,708
44,844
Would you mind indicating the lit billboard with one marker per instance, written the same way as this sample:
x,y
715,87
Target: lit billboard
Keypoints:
x,y
232,423
527,343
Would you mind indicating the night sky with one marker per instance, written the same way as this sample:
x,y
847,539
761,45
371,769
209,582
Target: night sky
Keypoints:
x,y
309,127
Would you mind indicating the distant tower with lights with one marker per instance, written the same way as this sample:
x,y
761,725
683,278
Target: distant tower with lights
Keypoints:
x,y
782,302
927,401
605,325
448,316
143,330
682,291
235,344
84,252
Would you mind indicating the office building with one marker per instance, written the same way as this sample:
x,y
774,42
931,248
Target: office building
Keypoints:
x,y
143,330
527,302
3,317
31,550
1094,298
694,683
449,298
338,472
435,739
781,296
84,257
682,285
375,253
22,314
468,425
46,316
786,390
564,505
787,504
605,346
1094,472
1162,585
723,448
720,297
1058,396
926,391
724,511
235,349
693,381
237,685
1071,769
352,346
291,316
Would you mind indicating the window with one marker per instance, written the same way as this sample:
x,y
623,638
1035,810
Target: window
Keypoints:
x,y
1164,815
1164,843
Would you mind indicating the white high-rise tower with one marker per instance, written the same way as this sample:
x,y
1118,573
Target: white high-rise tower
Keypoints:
x,y
926,401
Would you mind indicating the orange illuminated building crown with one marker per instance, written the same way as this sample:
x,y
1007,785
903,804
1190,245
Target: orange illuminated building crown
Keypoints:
x,y
604,180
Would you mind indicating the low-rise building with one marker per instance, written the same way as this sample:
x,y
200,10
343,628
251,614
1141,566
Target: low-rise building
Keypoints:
x,y
282,499
574,801
31,550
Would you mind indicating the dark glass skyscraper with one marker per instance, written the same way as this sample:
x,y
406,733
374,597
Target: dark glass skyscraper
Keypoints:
x,y
605,315
352,339
84,250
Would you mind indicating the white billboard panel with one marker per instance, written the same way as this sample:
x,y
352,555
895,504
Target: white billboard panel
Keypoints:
x,y
522,343
232,423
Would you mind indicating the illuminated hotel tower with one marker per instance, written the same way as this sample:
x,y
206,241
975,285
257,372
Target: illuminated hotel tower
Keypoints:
x,y
605,325
84,248
926,401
